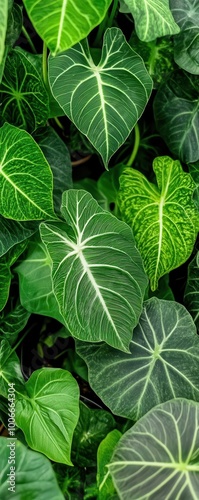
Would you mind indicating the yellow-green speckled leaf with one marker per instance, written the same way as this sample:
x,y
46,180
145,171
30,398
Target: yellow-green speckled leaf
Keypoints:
x,y
164,218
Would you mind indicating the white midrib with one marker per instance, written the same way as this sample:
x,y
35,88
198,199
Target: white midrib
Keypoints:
x,y
99,295
161,205
63,11
100,90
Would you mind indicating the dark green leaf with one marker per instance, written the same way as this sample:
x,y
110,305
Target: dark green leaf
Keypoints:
x,y
186,43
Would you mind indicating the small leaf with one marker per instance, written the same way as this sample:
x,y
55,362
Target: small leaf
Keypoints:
x,y
5,273
153,18
191,295
97,273
49,415
24,99
35,283
104,101
158,457
12,321
104,455
176,109
34,475
164,218
186,43
69,21
13,232
10,372
25,177
163,347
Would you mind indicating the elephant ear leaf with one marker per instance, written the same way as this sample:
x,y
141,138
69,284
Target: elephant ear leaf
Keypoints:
x,y
163,217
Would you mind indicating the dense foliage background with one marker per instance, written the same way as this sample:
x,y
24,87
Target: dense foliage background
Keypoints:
x,y
99,262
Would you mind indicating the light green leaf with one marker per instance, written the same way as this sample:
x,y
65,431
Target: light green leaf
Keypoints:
x,y
186,43
12,321
176,110
3,25
65,23
49,415
191,295
153,18
163,347
10,372
92,427
35,283
104,455
58,157
104,101
97,273
164,218
34,475
158,457
25,177
24,98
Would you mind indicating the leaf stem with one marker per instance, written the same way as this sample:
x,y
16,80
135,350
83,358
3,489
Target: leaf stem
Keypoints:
x,y
44,64
27,36
113,13
135,147
59,124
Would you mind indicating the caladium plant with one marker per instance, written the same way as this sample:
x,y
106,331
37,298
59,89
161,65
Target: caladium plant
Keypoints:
x,y
99,262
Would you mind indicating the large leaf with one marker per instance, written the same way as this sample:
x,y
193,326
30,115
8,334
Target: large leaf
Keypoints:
x,y
25,177
24,98
163,347
34,475
158,457
35,282
191,296
177,115
58,157
3,25
186,43
104,101
65,23
164,218
97,272
153,18
49,415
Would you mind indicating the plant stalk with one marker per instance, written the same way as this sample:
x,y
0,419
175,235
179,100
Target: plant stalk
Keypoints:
x,y
27,36
136,146
44,64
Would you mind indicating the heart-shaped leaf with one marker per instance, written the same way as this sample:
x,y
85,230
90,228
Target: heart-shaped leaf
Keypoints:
x,y
25,177
33,474
186,43
64,23
24,98
153,18
164,218
49,415
97,273
158,457
103,101
163,347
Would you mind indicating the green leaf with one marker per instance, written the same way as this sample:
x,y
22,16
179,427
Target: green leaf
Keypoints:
x,y
13,232
104,455
10,372
91,186
3,25
24,99
186,43
164,218
97,272
163,291
25,177
34,475
163,347
104,101
58,157
35,283
176,109
5,273
158,457
49,415
191,295
92,427
153,18
12,321
157,55
14,25
65,23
